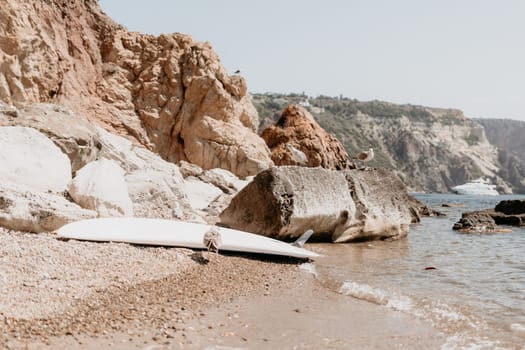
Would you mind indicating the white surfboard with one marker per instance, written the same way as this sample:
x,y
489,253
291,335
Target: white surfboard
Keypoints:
x,y
175,233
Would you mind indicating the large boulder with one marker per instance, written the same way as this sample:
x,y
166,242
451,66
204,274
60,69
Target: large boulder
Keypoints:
x,y
342,206
101,186
24,209
29,158
72,133
297,139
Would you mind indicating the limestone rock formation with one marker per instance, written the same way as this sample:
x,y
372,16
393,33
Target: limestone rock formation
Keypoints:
x,y
341,206
26,209
29,158
169,93
297,139
101,186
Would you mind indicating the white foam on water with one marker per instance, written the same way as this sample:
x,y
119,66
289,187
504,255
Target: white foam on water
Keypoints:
x,y
309,267
442,316
401,303
364,292
446,313
378,296
460,342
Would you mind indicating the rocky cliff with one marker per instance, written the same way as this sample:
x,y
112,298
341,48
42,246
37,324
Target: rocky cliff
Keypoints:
x,y
431,149
168,93
507,135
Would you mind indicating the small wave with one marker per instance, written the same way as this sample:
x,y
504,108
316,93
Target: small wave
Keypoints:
x,y
309,267
364,292
377,296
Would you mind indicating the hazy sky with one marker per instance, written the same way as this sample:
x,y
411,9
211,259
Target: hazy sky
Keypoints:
x,y
466,54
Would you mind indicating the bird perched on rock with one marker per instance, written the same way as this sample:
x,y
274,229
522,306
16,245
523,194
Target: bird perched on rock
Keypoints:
x,y
212,240
365,156
298,156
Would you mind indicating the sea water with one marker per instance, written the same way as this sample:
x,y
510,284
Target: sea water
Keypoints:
x,y
470,287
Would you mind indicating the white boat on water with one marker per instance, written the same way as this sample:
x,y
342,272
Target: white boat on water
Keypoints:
x,y
480,187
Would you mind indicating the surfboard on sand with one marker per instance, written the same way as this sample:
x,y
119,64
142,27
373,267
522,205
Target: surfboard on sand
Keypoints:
x,y
176,233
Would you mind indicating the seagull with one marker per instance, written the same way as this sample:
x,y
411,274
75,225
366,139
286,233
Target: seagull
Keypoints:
x,y
212,240
365,156
237,72
298,156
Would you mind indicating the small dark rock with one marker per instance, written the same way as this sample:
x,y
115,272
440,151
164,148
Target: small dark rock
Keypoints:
x,y
511,207
475,222
510,220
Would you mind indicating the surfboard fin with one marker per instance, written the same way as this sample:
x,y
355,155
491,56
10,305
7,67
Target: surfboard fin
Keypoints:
x,y
302,240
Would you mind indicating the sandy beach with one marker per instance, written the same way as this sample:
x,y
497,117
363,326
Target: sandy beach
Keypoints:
x,y
81,295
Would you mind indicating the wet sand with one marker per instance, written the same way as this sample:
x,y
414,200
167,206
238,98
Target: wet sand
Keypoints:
x,y
118,296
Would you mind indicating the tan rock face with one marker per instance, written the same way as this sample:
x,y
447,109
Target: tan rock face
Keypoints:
x,y
340,206
297,134
169,93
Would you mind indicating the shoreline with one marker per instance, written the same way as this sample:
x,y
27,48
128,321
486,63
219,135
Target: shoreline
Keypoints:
x,y
234,300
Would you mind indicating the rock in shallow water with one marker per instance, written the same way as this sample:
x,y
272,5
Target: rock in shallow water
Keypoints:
x,y
511,207
507,212
475,222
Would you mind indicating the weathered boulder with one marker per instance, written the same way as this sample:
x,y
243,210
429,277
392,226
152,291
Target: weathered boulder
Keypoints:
x,y
155,186
170,93
29,158
24,209
342,206
75,136
101,186
475,222
297,135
